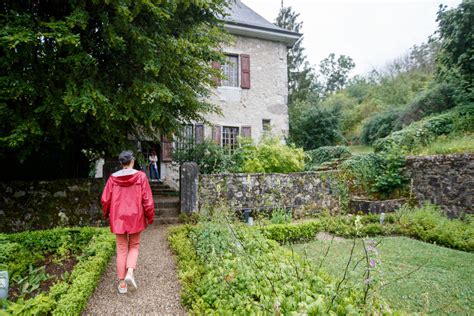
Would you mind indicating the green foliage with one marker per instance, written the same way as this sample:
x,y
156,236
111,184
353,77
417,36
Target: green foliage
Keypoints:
x,y
335,72
379,126
455,62
21,251
377,175
79,76
241,272
209,156
315,127
448,144
419,134
326,154
272,156
426,223
280,216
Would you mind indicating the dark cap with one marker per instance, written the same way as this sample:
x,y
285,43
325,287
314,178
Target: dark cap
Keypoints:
x,y
126,156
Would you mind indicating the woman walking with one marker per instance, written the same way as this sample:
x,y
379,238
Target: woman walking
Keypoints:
x,y
128,203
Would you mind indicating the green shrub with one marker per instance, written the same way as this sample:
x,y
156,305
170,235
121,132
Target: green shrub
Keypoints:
x,y
92,247
448,144
272,156
422,133
379,126
280,216
315,127
326,154
376,175
435,100
209,156
241,272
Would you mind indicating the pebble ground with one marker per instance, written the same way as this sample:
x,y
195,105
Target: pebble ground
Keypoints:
x,y
156,276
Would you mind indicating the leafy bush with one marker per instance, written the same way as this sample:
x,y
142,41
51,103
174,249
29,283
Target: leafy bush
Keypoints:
x,y
422,133
377,175
92,247
379,126
209,156
327,154
228,269
315,127
272,156
280,216
435,100
448,144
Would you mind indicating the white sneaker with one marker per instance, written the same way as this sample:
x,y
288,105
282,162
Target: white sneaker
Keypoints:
x,y
130,280
122,290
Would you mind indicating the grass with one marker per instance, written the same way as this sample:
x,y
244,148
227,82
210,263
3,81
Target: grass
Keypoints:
x,y
451,144
444,283
361,149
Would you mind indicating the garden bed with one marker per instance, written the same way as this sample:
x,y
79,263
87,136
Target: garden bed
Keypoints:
x,y
53,271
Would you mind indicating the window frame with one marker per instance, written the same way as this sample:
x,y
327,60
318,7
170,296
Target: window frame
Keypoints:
x,y
227,138
237,72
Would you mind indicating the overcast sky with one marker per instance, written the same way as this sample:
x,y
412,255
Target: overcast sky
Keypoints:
x,y
371,32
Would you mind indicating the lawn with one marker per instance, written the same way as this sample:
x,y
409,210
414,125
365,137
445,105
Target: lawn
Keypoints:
x,y
443,283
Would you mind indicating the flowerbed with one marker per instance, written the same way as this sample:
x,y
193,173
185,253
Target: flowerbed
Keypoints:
x,y
53,271
427,224
231,269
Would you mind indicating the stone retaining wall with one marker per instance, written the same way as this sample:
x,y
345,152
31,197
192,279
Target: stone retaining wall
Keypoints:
x,y
47,204
300,191
445,180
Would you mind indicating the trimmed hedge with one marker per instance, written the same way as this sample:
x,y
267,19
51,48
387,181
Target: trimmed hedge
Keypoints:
x,y
428,224
93,248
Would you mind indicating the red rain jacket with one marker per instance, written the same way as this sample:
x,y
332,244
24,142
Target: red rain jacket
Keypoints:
x,y
128,203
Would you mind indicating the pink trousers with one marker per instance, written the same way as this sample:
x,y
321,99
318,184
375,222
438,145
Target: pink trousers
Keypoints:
x,y
127,252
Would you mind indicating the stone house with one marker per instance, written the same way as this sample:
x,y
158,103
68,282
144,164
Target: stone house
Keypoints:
x,y
253,96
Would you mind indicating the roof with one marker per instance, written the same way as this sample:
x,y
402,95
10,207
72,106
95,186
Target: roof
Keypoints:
x,y
242,20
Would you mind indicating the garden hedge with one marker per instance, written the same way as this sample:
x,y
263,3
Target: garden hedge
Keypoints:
x,y
92,247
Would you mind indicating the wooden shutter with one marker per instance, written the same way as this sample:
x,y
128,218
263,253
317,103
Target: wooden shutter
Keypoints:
x,y
216,134
245,71
166,149
199,133
246,131
216,65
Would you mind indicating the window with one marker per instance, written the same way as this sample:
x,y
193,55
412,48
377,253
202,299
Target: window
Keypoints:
x,y
267,126
229,138
185,137
231,71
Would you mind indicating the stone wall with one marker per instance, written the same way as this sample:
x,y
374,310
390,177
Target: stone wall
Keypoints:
x,y
314,191
47,204
445,180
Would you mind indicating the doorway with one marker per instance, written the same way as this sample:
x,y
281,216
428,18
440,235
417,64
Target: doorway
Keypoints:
x,y
147,149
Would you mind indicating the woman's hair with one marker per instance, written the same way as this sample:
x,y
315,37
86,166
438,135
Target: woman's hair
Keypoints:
x,y
125,157
153,152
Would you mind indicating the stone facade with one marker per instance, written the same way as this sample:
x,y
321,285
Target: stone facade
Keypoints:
x,y
268,94
445,180
47,204
314,191
375,207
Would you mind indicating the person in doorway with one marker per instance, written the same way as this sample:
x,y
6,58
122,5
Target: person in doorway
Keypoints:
x,y
154,174
128,203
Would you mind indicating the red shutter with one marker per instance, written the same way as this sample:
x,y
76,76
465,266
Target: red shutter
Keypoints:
x,y
245,71
166,149
216,65
199,133
216,134
246,131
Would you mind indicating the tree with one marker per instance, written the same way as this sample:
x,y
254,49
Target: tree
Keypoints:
x,y
301,79
316,127
82,76
335,72
455,59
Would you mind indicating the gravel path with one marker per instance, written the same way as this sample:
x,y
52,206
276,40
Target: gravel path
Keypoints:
x,y
158,287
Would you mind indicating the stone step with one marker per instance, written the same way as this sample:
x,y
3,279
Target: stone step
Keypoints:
x,y
164,221
167,204
167,212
